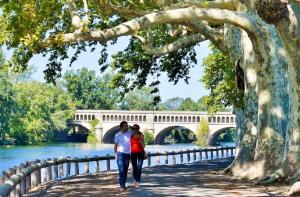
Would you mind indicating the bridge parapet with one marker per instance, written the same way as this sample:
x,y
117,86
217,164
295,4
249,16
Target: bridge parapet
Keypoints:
x,y
154,116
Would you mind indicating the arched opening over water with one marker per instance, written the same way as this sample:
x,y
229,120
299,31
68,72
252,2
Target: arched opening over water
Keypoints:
x,y
174,135
79,134
109,137
225,135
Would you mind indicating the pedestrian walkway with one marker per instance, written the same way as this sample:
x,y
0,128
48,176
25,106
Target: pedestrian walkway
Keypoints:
x,y
197,179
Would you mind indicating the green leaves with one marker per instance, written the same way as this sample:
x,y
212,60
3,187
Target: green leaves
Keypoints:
x,y
31,112
42,110
202,133
90,91
219,78
139,99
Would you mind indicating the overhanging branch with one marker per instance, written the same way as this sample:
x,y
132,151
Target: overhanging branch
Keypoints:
x,y
169,16
221,4
76,21
178,44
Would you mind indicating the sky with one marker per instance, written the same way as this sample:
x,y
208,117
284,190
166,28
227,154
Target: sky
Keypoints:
x,y
167,89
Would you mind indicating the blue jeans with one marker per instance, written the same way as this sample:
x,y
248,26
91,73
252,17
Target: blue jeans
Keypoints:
x,y
137,164
123,164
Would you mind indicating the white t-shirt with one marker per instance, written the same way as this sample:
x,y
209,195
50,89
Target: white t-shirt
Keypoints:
x,y
123,141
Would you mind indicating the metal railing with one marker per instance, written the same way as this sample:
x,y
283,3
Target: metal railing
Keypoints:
x,y
21,179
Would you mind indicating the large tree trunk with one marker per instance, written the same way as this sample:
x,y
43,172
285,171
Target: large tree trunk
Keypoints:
x,y
262,142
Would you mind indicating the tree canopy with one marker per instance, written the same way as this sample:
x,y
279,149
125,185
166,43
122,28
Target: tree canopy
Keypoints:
x,y
261,36
91,91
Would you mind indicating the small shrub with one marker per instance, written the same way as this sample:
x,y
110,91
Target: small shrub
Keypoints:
x,y
92,139
148,137
202,132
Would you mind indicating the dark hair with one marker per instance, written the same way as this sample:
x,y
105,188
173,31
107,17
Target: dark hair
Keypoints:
x,y
136,126
122,123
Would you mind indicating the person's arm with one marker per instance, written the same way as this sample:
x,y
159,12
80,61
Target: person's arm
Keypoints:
x,y
115,150
116,146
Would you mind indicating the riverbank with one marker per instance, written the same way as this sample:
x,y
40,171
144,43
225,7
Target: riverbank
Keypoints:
x,y
197,179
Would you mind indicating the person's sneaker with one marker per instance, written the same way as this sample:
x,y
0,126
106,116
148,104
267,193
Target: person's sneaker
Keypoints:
x,y
137,185
122,189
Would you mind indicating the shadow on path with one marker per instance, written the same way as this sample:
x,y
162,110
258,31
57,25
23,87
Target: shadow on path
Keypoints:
x,y
197,179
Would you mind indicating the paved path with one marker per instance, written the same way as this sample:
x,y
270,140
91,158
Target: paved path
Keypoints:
x,y
198,179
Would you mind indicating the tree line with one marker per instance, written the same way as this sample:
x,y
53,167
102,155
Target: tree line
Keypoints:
x,y
33,112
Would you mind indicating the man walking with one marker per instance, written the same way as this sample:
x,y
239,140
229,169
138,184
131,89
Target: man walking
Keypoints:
x,y
122,153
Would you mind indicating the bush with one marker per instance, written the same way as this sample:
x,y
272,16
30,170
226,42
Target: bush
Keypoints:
x,y
92,138
202,132
148,137
229,136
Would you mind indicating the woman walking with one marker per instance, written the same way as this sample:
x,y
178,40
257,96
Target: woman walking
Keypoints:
x,y
122,153
137,153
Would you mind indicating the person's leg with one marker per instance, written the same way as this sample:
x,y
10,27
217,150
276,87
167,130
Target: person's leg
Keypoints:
x,y
134,165
126,165
140,159
120,163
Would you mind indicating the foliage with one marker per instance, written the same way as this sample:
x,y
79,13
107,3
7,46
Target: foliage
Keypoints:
x,y
42,110
180,135
139,99
148,137
7,106
219,78
133,66
90,91
229,136
31,112
92,138
172,104
188,104
202,133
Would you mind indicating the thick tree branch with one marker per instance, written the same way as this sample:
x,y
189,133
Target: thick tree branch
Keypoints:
x,y
221,4
76,21
124,11
86,12
178,44
170,16
215,35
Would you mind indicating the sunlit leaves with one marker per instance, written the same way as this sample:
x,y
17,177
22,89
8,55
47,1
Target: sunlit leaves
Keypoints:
x,y
90,91
219,78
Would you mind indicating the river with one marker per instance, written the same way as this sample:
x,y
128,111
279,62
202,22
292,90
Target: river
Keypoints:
x,y
14,155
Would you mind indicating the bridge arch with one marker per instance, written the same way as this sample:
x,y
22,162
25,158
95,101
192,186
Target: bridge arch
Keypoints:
x,y
109,136
214,137
82,127
159,138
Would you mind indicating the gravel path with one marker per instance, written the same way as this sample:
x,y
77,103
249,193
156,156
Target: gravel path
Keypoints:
x,y
197,179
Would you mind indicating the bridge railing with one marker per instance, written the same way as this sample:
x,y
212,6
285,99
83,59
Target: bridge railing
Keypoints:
x,y
21,179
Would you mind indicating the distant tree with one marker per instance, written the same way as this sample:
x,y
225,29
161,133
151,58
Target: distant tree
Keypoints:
x,y
7,103
202,132
188,105
92,138
90,91
139,99
148,137
42,110
229,136
7,106
172,104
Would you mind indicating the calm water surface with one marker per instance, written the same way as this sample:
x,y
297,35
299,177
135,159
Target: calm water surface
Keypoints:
x,y
14,155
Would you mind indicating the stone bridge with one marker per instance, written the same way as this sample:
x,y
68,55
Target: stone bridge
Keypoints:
x,y
157,122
